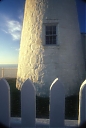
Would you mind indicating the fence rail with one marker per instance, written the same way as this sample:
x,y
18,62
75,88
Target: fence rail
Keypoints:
x,y
28,104
8,72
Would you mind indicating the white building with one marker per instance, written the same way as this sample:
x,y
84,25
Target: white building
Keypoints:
x,y
51,46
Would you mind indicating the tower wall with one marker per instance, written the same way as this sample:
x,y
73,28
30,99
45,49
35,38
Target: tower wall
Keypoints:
x,y
43,63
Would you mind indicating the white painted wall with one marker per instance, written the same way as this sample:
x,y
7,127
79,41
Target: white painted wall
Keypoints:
x,y
42,63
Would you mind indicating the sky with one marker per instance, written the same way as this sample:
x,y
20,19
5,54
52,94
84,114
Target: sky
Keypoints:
x,y
11,20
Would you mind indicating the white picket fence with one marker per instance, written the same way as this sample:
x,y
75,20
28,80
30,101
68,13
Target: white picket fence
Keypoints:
x,y
28,104
8,72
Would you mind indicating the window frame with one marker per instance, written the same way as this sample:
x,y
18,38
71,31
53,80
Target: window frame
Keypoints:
x,y
44,33
50,35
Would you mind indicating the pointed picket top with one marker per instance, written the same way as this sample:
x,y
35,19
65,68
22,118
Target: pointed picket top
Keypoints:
x,y
83,85
57,104
54,83
82,103
4,83
28,83
28,105
4,102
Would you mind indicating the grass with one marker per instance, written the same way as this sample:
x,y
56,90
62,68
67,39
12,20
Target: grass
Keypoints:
x,y
15,98
42,104
71,107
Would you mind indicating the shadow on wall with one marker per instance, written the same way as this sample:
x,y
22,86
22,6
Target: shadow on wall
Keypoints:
x,y
41,90
44,90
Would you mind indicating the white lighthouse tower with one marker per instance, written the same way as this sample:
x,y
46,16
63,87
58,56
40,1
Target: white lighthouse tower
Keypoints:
x,y
51,46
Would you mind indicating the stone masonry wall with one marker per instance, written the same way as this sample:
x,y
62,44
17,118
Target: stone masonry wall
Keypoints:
x,y
43,63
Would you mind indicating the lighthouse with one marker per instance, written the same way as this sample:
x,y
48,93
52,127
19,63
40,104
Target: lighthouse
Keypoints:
x,y
51,46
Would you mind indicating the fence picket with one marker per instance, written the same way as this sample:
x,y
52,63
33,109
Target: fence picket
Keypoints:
x,y
8,72
4,102
28,104
82,103
57,104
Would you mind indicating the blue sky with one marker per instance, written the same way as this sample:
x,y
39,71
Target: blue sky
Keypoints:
x,y
11,19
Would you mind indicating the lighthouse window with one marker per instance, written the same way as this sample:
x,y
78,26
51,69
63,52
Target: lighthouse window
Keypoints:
x,y
50,37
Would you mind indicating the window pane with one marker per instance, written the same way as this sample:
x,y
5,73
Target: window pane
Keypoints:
x,y
54,37
54,32
50,28
47,28
47,38
50,35
54,28
47,32
51,32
